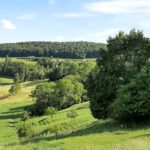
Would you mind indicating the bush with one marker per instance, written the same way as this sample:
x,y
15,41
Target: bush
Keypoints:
x,y
28,129
26,116
72,114
51,111
21,130
133,100
14,89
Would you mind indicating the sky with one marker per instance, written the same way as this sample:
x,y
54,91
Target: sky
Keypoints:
x,y
71,20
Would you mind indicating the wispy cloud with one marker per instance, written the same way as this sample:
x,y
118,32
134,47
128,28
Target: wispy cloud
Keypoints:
x,y
119,6
26,17
74,15
7,24
103,35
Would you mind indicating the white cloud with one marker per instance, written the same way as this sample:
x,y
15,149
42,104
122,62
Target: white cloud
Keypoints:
x,y
100,36
8,24
74,15
119,6
26,17
51,2
103,35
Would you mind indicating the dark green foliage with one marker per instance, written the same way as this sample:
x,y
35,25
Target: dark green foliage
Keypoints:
x,y
60,95
65,68
21,130
54,49
20,71
25,116
126,55
14,89
133,99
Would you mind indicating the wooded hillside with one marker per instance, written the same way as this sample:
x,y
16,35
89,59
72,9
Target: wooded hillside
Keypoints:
x,y
54,49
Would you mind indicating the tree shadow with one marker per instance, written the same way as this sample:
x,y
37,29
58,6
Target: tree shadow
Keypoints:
x,y
6,83
96,127
13,113
32,83
4,97
141,136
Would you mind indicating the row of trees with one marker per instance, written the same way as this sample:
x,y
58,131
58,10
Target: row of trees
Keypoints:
x,y
45,68
55,49
21,71
119,86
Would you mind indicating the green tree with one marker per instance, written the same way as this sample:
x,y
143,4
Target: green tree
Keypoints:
x,y
68,92
133,99
51,111
60,95
43,95
125,56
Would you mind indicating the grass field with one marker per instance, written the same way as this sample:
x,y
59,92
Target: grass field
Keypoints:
x,y
88,133
19,60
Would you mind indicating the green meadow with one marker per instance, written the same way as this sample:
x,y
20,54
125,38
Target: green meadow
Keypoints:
x,y
82,133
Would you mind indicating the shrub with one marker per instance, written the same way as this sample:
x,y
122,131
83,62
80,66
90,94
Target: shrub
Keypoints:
x,y
26,116
28,129
21,130
51,111
14,89
133,99
72,114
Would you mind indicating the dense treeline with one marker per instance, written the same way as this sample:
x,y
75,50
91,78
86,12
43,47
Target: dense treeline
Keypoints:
x,y
21,71
45,68
54,49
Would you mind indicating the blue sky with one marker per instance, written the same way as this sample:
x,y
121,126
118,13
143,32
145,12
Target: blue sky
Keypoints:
x,y
71,20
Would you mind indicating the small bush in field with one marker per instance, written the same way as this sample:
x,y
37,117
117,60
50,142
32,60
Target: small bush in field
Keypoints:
x,y
72,114
28,129
14,89
26,116
21,130
51,111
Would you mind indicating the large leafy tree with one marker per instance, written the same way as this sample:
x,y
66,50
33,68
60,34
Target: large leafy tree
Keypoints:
x,y
61,94
125,56
133,99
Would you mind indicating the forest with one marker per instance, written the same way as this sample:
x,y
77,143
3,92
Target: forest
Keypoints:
x,y
52,49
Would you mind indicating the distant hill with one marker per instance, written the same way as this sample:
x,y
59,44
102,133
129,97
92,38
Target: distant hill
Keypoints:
x,y
52,49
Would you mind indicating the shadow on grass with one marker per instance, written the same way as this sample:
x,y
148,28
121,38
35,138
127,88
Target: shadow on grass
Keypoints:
x,y
141,136
3,97
13,113
32,83
96,127
6,83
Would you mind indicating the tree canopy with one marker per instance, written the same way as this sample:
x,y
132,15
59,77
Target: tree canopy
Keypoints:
x,y
125,56
54,49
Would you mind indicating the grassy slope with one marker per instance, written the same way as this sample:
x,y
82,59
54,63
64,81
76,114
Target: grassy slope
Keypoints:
x,y
89,134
